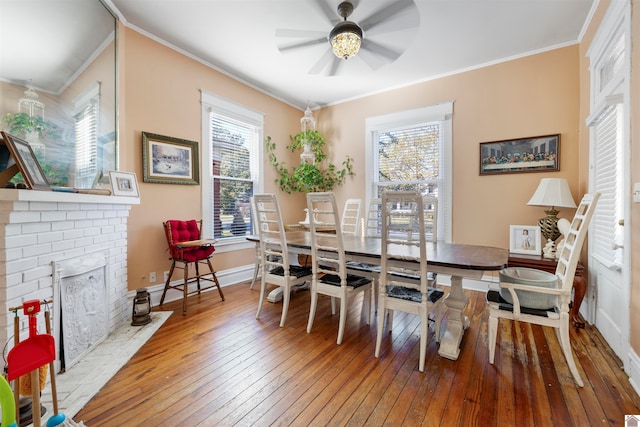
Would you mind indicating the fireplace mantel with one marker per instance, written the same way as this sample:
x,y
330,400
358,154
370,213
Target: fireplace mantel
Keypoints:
x,y
59,196
38,228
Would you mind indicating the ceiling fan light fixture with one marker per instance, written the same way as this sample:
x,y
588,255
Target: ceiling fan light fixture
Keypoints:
x,y
346,38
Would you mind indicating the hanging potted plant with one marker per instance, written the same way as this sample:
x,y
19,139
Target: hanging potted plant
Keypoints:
x,y
311,175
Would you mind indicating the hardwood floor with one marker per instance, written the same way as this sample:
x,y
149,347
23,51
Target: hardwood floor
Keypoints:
x,y
221,366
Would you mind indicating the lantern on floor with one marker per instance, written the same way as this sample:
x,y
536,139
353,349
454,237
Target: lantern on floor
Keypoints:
x,y
141,308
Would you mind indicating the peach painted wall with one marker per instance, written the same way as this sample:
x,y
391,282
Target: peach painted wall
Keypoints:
x,y
161,94
536,95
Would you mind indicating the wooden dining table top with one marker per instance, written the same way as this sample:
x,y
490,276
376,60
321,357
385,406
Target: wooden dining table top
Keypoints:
x,y
447,255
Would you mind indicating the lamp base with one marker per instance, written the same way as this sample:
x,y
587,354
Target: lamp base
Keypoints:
x,y
549,225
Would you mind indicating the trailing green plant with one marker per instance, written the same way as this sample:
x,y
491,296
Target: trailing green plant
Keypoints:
x,y
308,177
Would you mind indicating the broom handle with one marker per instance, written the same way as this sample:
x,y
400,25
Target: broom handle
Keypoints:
x,y
54,391
16,382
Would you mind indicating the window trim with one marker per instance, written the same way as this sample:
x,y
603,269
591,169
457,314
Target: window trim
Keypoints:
x,y
223,106
443,113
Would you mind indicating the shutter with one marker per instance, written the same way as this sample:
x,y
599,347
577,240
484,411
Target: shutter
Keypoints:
x,y
607,181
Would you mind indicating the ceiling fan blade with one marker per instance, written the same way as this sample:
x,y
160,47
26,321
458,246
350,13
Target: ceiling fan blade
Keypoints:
x,y
337,62
300,45
383,51
322,62
307,34
328,11
371,59
384,14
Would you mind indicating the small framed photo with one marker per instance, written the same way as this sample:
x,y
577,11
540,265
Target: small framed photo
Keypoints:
x,y
534,154
27,163
124,184
168,160
525,239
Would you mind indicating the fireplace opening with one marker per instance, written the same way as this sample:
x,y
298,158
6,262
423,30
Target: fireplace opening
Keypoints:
x,y
81,305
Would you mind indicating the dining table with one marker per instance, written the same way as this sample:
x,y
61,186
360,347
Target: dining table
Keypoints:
x,y
456,260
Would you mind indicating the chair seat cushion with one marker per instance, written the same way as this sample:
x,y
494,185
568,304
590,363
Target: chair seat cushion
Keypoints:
x,y
410,294
494,297
352,280
294,270
361,266
430,275
196,254
532,277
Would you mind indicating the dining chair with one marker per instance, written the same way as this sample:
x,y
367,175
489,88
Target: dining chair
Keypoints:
x,y
350,220
276,265
186,247
406,288
430,205
328,261
258,262
519,284
372,228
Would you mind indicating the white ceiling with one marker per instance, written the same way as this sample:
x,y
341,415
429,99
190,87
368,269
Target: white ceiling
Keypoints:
x,y
238,37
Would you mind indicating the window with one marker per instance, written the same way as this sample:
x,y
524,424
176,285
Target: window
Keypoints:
x,y
411,150
86,129
230,170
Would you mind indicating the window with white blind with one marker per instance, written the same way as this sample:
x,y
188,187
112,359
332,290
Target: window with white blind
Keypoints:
x,y
411,151
230,168
86,114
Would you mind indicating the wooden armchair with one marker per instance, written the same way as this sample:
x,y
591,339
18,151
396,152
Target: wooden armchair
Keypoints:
x,y
506,302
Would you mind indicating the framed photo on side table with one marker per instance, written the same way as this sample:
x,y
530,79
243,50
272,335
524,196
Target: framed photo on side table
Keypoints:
x,y
124,184
525,239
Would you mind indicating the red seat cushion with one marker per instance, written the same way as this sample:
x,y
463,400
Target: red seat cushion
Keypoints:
x,y
183,231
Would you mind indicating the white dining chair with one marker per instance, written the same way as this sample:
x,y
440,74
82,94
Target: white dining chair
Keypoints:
x,y
372,228
542,298
328,261
406,287
350,220
256,232
276,265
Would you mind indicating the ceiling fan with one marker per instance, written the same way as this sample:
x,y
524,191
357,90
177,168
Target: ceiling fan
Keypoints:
x,y
348,39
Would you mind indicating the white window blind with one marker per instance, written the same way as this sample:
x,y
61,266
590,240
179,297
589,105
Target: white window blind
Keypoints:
x,y
86,130
607,181
231,169
232,144
411,151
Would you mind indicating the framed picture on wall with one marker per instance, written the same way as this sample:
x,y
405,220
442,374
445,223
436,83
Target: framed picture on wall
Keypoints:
x,y
525,239
169,160
535,154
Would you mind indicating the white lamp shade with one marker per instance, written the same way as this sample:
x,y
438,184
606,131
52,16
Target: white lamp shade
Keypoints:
x,y
553,192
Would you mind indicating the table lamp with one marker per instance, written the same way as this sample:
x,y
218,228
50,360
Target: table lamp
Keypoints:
x,y
554,193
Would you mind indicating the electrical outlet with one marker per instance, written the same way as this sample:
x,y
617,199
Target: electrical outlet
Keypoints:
x,y
166,276
152,277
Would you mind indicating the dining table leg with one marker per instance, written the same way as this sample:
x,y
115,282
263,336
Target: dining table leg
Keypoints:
x,y
456,323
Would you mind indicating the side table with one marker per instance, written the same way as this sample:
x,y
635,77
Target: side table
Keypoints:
x,y
549,265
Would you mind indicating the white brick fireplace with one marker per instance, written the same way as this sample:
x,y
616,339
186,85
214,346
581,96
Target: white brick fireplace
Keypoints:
x,y
41,229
